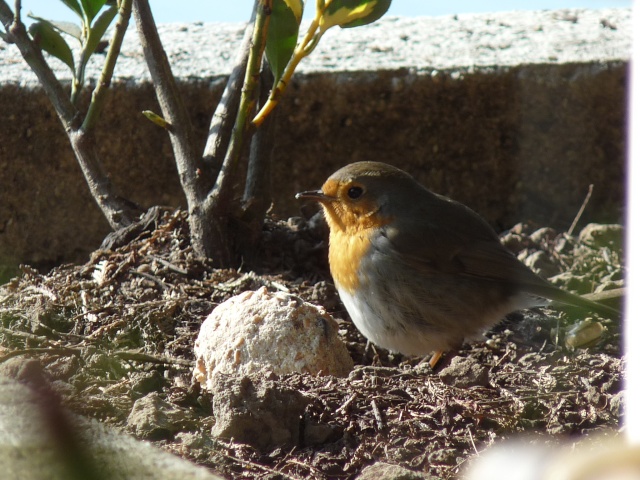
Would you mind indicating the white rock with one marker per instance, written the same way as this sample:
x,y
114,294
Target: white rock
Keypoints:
x,y
278,332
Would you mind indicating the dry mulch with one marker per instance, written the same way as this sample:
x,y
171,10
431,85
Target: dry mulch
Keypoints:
x,y
122,326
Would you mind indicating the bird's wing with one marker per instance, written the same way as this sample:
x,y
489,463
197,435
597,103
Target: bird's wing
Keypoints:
x,y
449,237
468,246
431,250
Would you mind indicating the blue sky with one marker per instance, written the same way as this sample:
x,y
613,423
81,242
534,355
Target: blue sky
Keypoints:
x,y
239,10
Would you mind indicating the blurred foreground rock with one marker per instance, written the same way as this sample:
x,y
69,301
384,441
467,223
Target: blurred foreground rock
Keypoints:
x,y
40,441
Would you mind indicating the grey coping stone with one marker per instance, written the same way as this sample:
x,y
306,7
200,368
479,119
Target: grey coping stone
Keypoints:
x,y
456,42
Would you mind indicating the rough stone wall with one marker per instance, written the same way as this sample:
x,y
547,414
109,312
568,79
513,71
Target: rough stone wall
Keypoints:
x,y
512,114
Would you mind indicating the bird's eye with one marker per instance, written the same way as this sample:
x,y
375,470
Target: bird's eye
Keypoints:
x,y
355,192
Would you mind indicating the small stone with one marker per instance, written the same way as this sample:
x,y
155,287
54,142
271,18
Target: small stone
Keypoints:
x,y
543,235
317,433
445,456
324,294
607,285
563,244
153,418
296,223
575,283
256,411
63,368
596,235
276,332
24,370
514,242
541,264
583,334
520,228
464,372
145,383
616,404
192,441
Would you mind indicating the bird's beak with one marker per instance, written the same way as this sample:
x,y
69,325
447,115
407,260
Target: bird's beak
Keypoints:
x,y
317,195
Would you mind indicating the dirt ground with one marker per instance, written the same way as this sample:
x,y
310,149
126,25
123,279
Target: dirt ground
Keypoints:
x,y
122,326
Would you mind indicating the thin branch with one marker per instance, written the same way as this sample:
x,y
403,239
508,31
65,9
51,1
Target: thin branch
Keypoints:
x,y
581,211
257,194
118,211
78,77
227,109
221,193
44,350
138,356
26,335
377,415
98,97
17,33
173,109
303,48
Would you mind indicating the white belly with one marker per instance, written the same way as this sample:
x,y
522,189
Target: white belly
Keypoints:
x,y
377,322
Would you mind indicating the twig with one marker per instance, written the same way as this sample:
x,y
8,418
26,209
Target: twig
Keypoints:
x,y
98,95
223,188
311,468
118,211
377,415
21,334
104,328
303,48
260,467
37,350
116,386
581,211
152,278
507,352
145,357
345,405
473,443
225,114
58,334
100,309
17,34
257,196
169,265
173,109
537,396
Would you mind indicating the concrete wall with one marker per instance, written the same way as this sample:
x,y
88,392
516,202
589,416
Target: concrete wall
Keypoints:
x,y
512,114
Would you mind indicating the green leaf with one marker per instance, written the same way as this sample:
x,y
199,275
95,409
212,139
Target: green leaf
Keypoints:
x,y
75,6
69,28
98,28
63,27
91,8
283,34
353,13
157,119
49,40
296,6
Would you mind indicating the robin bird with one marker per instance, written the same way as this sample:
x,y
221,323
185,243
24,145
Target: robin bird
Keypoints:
x,y
417,271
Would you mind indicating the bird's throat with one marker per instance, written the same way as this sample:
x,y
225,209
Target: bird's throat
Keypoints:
x,y
345,255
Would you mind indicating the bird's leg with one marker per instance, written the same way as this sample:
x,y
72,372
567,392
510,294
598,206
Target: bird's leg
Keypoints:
x,y
435,358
